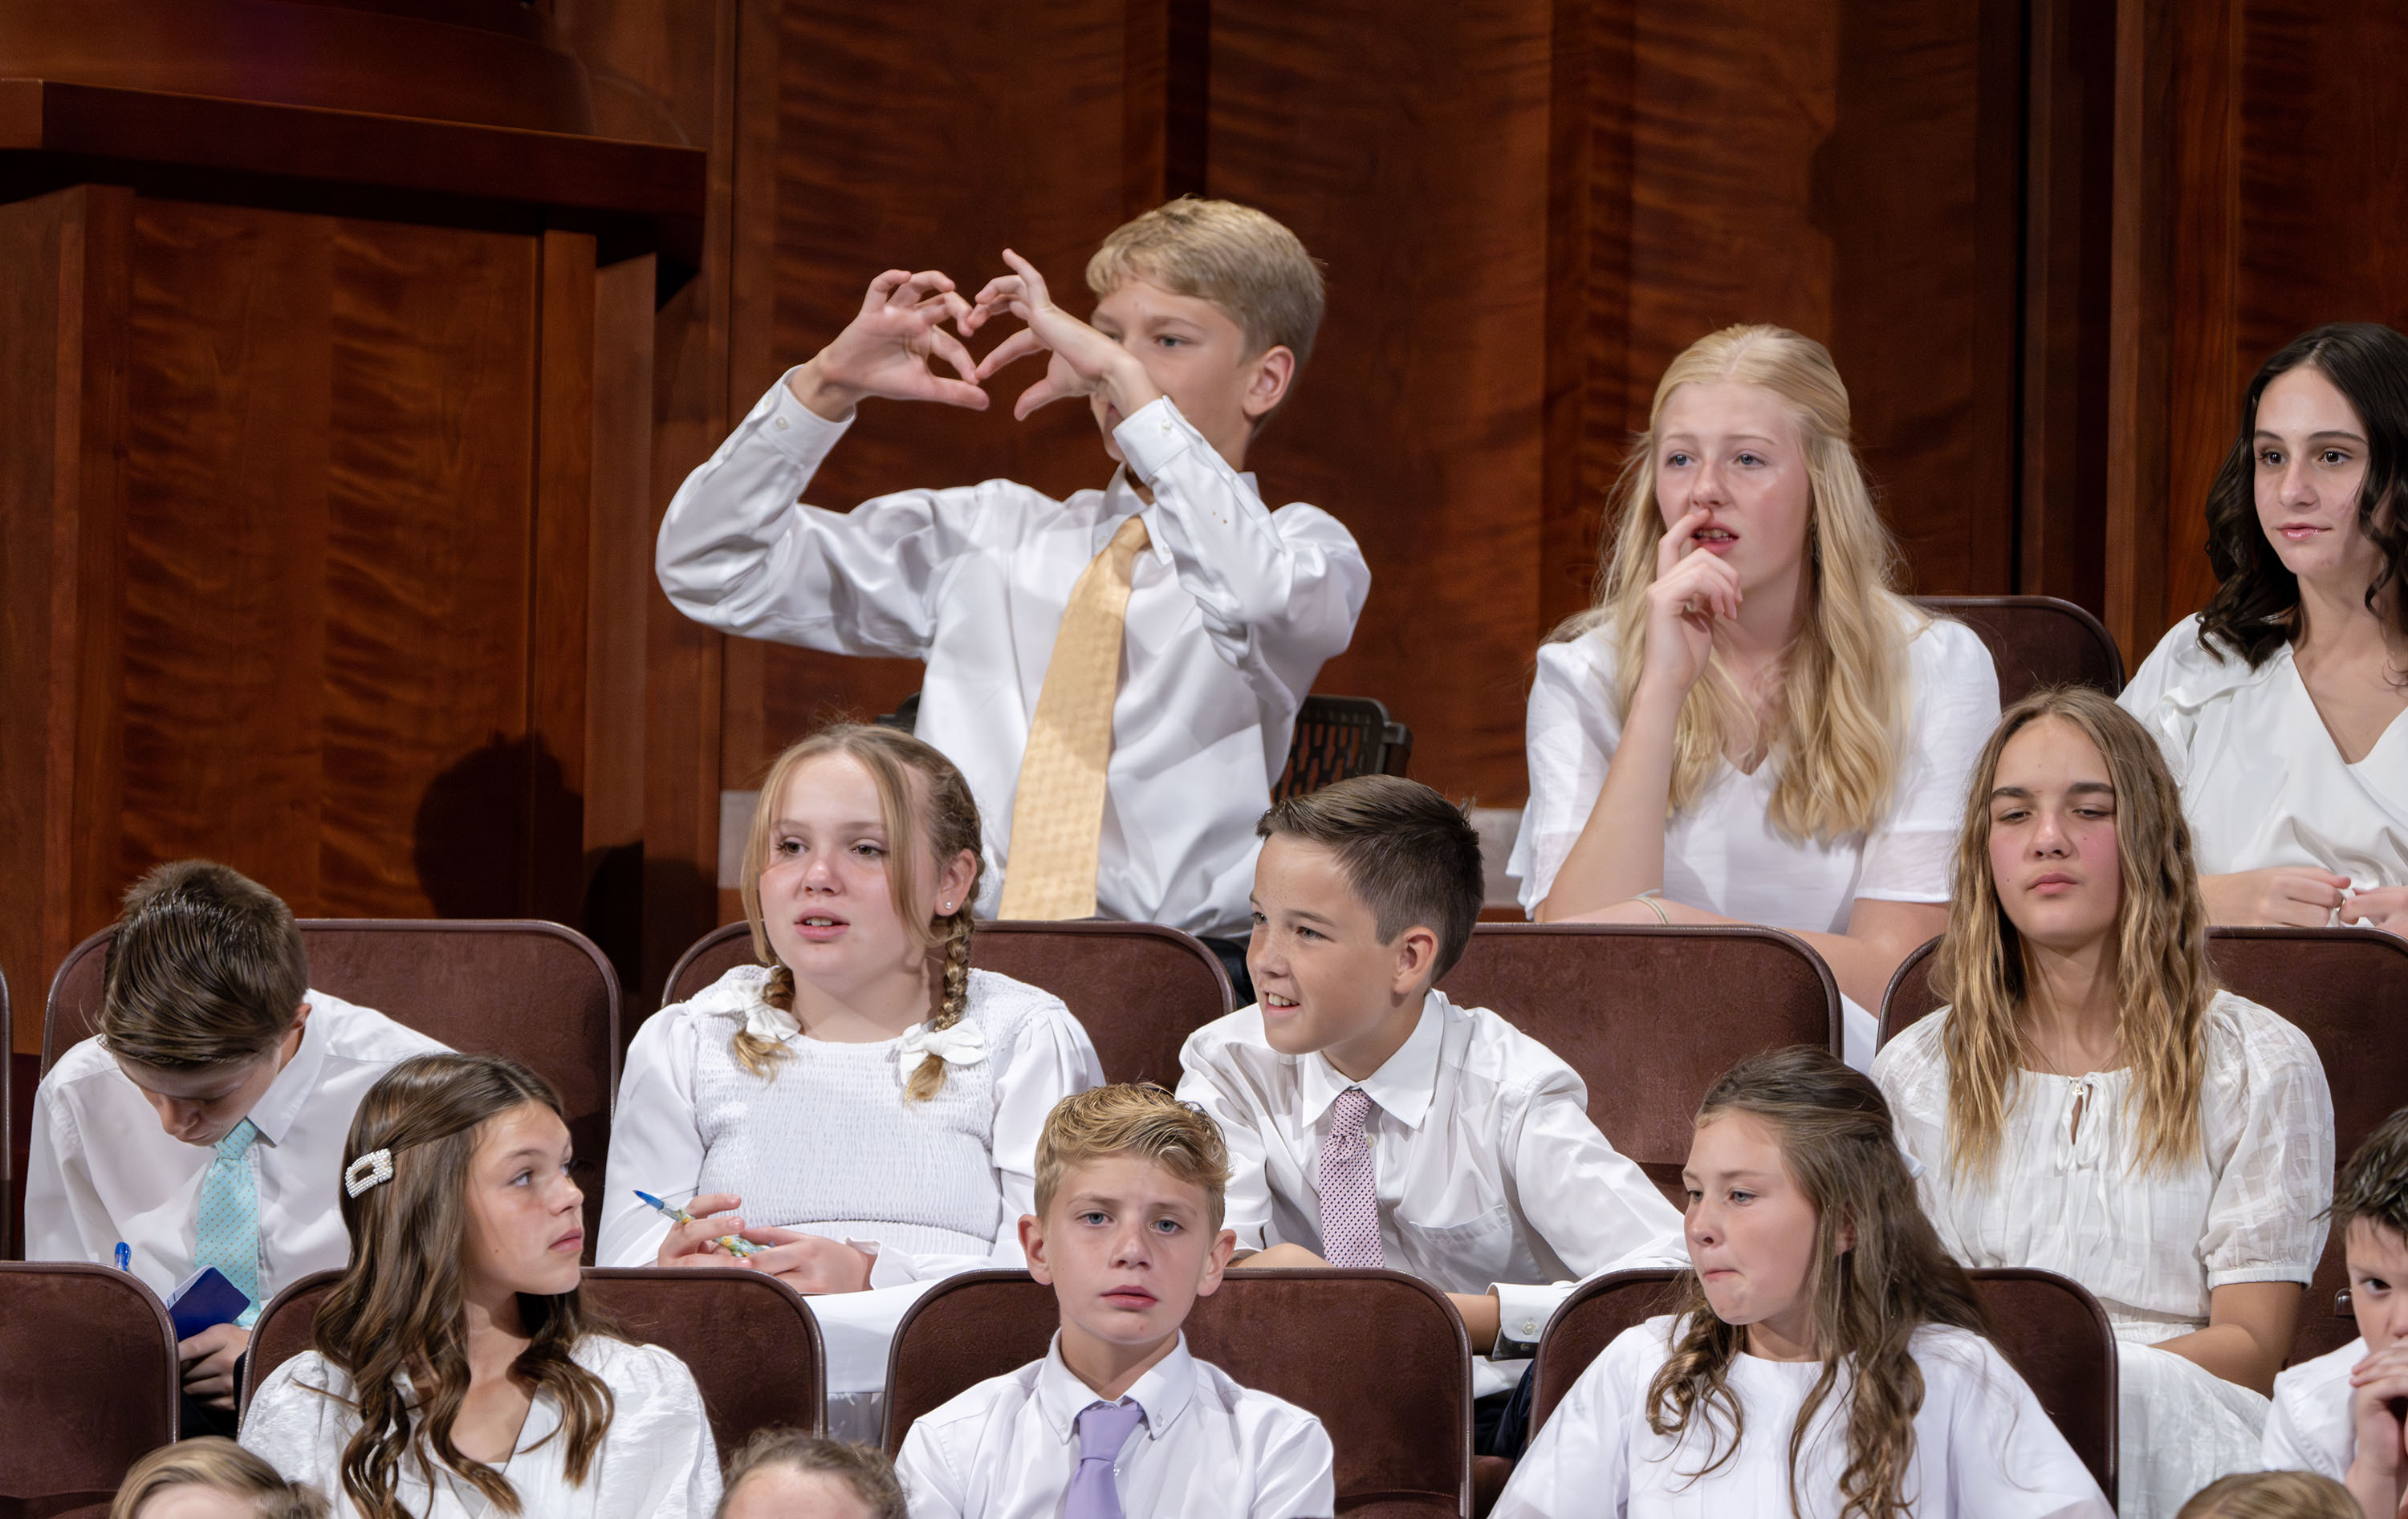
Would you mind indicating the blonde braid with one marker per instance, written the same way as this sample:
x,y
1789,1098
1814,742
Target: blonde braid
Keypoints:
x,y
929,1079
757,1055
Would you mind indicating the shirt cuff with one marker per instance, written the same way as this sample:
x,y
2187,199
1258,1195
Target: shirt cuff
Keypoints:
x,y
1521,1315
1155,436
796,430
887,1267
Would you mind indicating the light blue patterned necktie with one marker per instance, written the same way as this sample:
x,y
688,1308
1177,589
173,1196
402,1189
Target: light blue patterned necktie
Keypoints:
x,y
228,1238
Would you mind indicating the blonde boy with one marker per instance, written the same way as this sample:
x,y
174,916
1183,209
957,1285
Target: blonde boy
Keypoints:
x,y
1206,311
2341,1414
1373,1121
1118,1418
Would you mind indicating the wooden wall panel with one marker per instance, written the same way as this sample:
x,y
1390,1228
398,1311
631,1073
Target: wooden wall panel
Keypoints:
x,y
1410,150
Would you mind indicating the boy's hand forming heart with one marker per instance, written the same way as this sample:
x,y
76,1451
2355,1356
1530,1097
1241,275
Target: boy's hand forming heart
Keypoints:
x,y
1085,362
888,349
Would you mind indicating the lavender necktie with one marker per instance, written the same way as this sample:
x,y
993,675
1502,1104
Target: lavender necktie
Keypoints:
x,y
1350,1192
1103,1429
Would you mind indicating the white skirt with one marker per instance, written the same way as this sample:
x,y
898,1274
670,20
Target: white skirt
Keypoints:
x,y
2179,1426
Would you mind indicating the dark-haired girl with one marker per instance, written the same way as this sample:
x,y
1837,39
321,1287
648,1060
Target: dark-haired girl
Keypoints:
x,y
2278,707
456,1371
1827,1359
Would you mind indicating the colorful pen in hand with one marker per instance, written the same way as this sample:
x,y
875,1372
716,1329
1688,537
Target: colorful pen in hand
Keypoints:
x,y
124,1257
734,1244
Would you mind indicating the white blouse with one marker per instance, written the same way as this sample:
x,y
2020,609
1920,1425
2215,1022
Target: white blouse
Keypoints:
x,y
2150,1244
657,1461
827,1143
1722,853
2262,783
1983,1447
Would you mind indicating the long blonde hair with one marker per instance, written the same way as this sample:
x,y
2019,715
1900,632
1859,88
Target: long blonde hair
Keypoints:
x,y
2163,980
1839,1144
934,820
398,1311
1844,704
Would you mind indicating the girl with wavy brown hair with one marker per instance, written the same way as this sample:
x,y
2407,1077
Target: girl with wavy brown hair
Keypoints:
x,y
1824,1358
1752,726
455,1369
2091,1102
2279,706
867,1102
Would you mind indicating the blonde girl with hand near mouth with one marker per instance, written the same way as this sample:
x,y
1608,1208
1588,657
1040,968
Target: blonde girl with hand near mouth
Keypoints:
x,y
1752,726
1826,1359
2278,707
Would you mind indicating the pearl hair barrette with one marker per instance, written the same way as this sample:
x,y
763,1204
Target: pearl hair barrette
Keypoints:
x,y
366,1171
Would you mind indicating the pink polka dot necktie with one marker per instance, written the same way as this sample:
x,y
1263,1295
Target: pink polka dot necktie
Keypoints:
x,y
1350,1192
1103,1429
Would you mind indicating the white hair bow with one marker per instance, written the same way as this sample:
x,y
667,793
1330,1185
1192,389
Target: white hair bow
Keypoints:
x,y
774,1024
961,1045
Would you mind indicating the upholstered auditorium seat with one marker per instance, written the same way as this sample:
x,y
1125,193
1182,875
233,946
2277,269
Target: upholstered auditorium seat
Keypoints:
x,y
537,992
2049,1329
1650,1017
2343,987
1402,1437
1139,988
748,1340
2037,641
88,1385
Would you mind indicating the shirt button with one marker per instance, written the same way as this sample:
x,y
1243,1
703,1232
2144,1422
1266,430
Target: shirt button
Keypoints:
x,y
1528,1328
781,424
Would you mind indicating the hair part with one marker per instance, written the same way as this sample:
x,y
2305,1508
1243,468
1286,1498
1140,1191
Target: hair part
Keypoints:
x,y
930,819
396,1314
205,968
217,1463
2163,980
2271,1495
1137,1119
1839,1144
862,1468
1842,715
2255,609
1242,261
1412,855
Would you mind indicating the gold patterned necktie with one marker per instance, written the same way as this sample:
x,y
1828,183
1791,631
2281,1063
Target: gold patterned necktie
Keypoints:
x,y
1058,812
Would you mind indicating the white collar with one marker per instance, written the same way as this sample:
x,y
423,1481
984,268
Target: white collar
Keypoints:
x,y
1406,1082
281,1105
1163,1392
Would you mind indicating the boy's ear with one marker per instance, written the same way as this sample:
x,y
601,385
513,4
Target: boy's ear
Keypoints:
x,y
1032,1244
1416,952
1216,1262
1271,372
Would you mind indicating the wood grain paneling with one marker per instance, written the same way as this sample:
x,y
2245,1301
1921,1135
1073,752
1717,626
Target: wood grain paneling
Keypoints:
x,y
1410,150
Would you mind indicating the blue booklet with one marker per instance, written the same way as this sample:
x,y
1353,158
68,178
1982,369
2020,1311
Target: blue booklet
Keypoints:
x,y
205,1299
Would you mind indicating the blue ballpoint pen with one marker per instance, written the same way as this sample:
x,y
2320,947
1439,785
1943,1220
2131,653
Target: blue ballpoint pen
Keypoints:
x,y
734,1244
124,1257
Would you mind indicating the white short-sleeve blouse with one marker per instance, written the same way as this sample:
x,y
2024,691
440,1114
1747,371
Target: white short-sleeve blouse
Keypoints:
x,y
1723,855
2262,783
1983,1447
2149,1243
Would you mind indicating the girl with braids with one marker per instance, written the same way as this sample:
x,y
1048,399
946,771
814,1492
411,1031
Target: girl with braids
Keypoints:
x,y
865,1101
455,1369
2279,707
2091,1103
1825,1358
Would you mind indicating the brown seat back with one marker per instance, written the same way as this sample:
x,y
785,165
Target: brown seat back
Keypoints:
x,y
88,1384
2037,641
2052,1332
1402,1437
1650,1017
1139,989
748,1340
2342,987
538,993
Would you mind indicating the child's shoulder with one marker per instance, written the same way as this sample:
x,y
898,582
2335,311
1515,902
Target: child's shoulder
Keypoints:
x,y
1482,1044
364,1034
1225,1395
2314,1384
977,1401
1003,1006
634,1368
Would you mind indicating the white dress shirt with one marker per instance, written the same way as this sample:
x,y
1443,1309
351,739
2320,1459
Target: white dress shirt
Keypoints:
x,y
1007,1448
2262,783
2151,1244
1489,1173
1229,619
2309,1427
102,1170
658,1460
1984,1449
